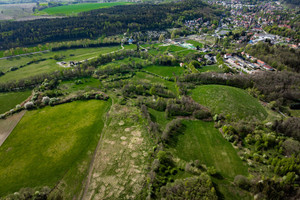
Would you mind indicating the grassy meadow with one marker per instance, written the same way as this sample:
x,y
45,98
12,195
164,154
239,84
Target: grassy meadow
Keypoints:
x,y
166,71
9,100
48,65
51,144
210,68
77,8
142,76
229,100
201,141
195,43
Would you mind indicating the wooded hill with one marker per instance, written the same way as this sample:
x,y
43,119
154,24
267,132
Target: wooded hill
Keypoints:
x,y
107,21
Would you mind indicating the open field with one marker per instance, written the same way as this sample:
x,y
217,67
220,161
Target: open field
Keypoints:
x,y
210,68
229,100
194,43
201,141
166,71
142,76
88,84
52,144
77,8
121,162
7,125
9,100
48,65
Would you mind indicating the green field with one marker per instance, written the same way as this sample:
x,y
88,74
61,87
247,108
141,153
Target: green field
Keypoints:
x,y
88,84
166,71
229,100
201,141
48,65
210,68
77,8
142,76
52,144
195,43
9,100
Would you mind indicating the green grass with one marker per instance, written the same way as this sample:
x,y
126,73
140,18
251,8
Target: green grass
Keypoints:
x,y
210,68
166,71
50,143
159,117
48,65
229,100
195,43
9,100
77,8
87,85
201,141
142,76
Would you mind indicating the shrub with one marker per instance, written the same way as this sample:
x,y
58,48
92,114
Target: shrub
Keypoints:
x,y
242,182
201,114
29,105
46,100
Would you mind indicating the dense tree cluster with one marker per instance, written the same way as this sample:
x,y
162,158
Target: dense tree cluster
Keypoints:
x,y
278,56
106,21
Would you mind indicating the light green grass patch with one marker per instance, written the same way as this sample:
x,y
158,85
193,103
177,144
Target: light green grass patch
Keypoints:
x,y
201,141
86,85
49,142
229,100
77,8
142,76
210,68
49,65
195,43
9,100
166,71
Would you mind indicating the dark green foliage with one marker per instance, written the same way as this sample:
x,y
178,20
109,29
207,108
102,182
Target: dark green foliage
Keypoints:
x,y
172,128
200,187
107,21
289,127
276,55
242,182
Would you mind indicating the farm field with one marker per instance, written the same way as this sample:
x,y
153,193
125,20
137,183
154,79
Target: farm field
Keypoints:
x,y
229,100
48,65
201,141
52,144
166,71
77,8
9,100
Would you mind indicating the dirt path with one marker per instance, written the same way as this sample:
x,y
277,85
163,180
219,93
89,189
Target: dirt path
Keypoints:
x,y
8,125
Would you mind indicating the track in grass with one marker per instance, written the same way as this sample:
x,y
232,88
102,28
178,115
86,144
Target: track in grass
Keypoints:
x,y
229,100
9,100
50,144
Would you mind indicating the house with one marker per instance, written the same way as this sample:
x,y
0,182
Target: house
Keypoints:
x,y
130,41
261,62
267,67
227,55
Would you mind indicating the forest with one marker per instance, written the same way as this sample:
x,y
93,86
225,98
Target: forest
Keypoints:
x,y
107,21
